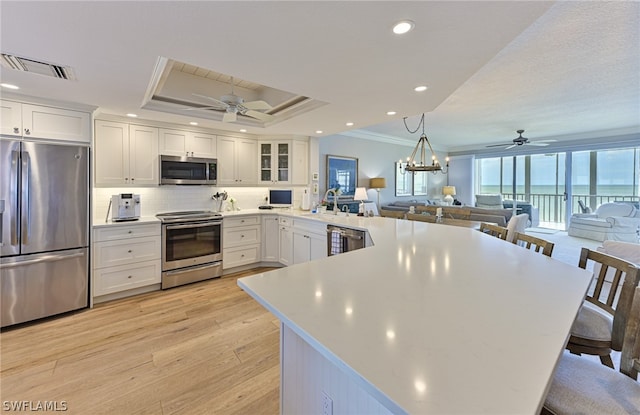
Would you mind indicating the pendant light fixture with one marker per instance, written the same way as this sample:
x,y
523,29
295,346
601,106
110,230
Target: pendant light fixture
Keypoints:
x,y
413,165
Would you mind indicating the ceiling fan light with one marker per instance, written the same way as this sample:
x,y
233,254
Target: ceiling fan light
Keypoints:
x,y
420,88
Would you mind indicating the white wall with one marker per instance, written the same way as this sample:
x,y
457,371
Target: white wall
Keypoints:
x,y
375,159
461,175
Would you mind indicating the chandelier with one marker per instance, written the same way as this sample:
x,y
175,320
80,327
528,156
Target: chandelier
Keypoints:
x,y
412,165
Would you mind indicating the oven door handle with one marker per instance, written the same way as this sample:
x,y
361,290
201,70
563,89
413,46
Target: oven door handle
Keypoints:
x,y
193,225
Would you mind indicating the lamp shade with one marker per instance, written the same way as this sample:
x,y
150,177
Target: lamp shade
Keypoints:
x,y
449,190
377,183
361,194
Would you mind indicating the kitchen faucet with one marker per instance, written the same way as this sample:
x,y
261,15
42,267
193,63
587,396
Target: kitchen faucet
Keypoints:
x,y
335,199
346,206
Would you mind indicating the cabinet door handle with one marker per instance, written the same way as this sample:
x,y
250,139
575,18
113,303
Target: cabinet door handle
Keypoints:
x,y
27,131
132,179
130,232
129,251
130,276
242,236
16,130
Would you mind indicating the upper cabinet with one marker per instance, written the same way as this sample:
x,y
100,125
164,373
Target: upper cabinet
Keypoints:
x,y
187,143
35,121
237,161
125,154
275,162
283,162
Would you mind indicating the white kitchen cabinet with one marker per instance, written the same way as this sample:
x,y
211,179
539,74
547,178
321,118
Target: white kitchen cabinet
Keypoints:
x,y
125,154
270,238
275,162
187,143
241,240
285,235
37,121
283,162
237,161
309,240
300,162
126,257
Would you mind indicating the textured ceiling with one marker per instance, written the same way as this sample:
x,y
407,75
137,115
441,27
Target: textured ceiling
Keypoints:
x,y
565,70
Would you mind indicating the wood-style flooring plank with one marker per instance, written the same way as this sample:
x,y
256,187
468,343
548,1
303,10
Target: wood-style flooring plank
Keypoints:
x,y
202,348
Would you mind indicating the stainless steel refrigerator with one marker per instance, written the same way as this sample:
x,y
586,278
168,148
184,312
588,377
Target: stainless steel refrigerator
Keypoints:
x,y
44,211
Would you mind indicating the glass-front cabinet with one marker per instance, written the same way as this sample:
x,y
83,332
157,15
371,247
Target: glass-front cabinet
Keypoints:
x,y
275,162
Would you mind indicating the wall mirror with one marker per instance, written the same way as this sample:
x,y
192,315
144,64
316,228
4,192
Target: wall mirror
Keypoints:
x,y
342,174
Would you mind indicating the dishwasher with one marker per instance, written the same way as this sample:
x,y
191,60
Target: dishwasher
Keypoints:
x,y
341,239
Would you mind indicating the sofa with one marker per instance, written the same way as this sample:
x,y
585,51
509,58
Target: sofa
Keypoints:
x,y
405,205
496,202
498,216
610,221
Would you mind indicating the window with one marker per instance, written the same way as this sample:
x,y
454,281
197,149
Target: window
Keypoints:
x,y
410,184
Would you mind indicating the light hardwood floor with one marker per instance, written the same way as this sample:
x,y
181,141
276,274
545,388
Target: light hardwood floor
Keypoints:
x,y
205,348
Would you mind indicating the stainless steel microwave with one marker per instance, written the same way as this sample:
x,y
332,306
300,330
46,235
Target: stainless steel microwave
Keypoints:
x,y
188,170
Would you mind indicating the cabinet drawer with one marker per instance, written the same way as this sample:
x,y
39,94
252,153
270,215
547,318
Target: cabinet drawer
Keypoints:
x,y
241,236
235,257
115,232
126,277
234,222
112,253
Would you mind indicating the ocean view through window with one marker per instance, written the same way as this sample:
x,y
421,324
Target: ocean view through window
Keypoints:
x,y
597,176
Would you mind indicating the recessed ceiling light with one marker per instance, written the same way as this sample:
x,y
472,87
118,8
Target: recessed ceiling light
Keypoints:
x,y
391,113
132,115
349,124
318,131
243,130
420,88
403,27
193,123
9,86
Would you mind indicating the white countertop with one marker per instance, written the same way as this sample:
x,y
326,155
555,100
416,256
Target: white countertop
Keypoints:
x,y
142,220
433,318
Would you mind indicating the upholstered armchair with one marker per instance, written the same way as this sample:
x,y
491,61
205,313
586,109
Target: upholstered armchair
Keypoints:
x,y
489,201
611,221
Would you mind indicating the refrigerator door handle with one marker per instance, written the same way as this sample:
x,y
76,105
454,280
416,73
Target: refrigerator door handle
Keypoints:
x,y
46,258
1,221
26,202
15,163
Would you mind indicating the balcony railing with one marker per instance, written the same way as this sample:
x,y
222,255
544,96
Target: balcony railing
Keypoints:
x,y
552,206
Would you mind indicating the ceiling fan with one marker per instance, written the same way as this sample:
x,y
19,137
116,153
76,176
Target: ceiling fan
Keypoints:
x,y
520,141
233,105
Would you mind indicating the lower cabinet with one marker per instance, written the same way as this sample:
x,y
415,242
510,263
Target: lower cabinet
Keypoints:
x,y
125,257
286,241
309,240
241,240
270,238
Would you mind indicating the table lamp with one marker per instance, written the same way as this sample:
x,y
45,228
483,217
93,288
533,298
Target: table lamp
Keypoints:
x,y
361,195
449,192
378,183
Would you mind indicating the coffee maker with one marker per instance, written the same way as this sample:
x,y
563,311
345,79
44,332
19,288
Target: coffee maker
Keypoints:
x,y
125,206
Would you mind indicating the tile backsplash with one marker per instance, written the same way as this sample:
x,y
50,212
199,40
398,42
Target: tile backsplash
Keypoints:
x,y
175,198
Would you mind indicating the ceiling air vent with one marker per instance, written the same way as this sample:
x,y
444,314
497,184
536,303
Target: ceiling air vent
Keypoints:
x,y
43,68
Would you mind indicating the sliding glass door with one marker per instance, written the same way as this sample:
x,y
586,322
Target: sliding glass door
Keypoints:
x,y
555,182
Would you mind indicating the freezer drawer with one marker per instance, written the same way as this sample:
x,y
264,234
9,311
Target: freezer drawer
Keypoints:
x,y
41,285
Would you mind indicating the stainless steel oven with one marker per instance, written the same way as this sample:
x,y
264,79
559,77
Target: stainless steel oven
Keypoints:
x,y
191,247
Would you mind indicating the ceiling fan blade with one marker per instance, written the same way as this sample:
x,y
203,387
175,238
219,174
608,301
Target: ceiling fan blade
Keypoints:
x,y
222,104
511,146
229,117
203,108
259,115
537,144
499,145
546,141
257,105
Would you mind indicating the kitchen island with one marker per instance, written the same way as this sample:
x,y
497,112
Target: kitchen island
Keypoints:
x,y
431,319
